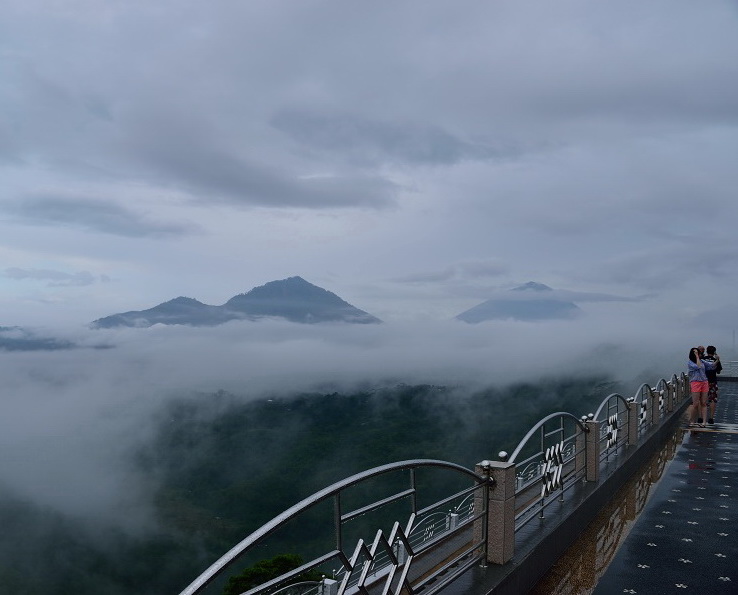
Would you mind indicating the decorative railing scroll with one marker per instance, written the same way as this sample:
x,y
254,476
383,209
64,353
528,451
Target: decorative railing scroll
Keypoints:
x,y
428,525
648,409
615,414
662,396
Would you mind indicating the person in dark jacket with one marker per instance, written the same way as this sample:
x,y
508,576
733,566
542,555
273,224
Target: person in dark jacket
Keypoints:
x,y
712,385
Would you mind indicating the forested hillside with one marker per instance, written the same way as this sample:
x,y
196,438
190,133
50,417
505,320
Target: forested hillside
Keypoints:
x,y
222,466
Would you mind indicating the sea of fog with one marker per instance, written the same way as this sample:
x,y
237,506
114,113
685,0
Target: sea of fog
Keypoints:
x,y
71,415
73,419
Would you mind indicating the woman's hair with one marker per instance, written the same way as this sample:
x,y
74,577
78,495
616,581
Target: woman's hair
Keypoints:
x,y
692,355
711,349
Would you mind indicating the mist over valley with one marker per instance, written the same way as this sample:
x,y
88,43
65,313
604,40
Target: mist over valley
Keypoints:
x,y
128,468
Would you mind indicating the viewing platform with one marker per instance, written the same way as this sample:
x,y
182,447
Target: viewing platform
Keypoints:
x,y
686,539
623,500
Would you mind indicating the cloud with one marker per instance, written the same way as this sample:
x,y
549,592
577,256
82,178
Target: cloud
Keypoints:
x,y
55,278
670,264
460,271
73,419
92,215
176,150
510,294
589,296
369,142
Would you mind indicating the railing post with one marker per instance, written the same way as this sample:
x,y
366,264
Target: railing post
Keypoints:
x,y
398,548
580,462
633,413
500,509
452,521
593,449
328,587
684,385
653,403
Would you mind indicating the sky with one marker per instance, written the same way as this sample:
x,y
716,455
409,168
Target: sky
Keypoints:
x,y
414,157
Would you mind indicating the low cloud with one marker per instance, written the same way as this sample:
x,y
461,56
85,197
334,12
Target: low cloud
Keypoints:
x,y
93,215
370,142
55,278
174,149
224,178
461,271
73,419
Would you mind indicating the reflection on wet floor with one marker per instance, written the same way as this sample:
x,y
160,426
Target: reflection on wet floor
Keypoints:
x,y
584,563
681,540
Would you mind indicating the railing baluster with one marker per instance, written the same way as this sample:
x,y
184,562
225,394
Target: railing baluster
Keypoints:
x,y
337,521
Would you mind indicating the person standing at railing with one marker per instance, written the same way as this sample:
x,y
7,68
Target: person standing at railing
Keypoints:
x,y
712,386
698,386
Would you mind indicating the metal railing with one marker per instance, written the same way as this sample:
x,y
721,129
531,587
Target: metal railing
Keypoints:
x,y
730,369
551,466
433,545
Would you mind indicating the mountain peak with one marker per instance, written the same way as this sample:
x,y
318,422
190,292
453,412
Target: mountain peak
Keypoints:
x,y
183,301
532,286
296,300
282,286
537,304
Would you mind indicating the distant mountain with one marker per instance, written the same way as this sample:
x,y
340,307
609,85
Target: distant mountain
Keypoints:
x,y
293,299
298,301
181,310
531,301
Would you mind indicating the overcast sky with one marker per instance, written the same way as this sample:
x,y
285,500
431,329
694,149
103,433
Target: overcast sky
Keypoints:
x,y
414,157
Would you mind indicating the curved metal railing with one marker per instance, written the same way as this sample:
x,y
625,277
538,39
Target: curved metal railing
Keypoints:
x,y
435,544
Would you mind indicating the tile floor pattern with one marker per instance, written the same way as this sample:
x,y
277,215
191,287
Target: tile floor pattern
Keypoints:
x,y
686,540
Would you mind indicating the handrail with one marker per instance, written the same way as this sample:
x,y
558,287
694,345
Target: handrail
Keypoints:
x,y
538,426
596,416
640,391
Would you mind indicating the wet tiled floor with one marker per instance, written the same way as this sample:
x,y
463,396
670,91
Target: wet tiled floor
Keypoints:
x,y
686,538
